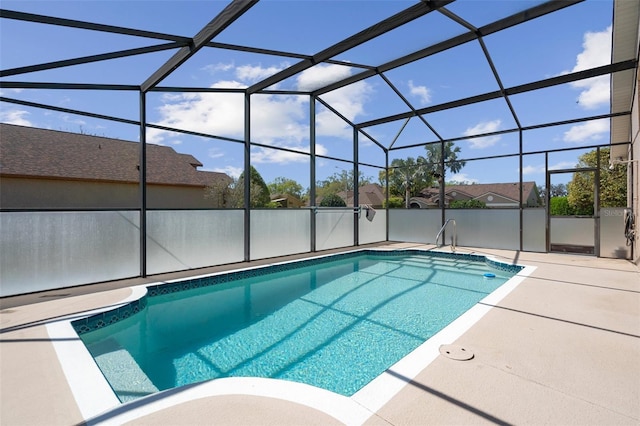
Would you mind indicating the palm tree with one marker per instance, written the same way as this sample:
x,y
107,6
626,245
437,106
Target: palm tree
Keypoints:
x,y
409,175
434,158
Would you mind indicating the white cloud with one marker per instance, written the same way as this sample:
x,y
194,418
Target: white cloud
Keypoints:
x,y
587,132
234,172
215,153
277,120
348,101
273,156
563,165
533,170
480,128
214,68
219,114
3,92
462,178
252,74
72,119
15,116
321,75
422,92
596,52
539,168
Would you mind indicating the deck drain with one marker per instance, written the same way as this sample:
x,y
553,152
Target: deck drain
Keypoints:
x,y
456,352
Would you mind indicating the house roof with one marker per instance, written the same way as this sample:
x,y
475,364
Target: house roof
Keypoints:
x,y
370,194
508,190
40,153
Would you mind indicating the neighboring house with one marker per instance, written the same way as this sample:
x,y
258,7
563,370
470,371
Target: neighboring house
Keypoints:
x,y
286,201
51,169
491,194
370,194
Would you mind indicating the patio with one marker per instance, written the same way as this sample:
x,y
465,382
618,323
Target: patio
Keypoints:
x,y
84,231
562,348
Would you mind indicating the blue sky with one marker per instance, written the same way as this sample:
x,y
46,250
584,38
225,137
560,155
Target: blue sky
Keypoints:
x,y
573,39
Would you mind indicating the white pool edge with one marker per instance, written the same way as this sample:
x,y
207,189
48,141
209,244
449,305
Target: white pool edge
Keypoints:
x,y
96,399
89,387
383,388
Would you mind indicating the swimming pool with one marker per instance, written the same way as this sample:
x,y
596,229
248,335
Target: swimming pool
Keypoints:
x,y
335,322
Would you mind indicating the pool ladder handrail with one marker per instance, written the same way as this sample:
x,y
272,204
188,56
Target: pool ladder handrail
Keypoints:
x,y
454,237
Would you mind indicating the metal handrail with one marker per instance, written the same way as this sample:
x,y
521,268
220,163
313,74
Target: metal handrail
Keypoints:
x,y
454,237
341,209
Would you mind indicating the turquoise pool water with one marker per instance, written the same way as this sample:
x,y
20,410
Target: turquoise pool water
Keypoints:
x,y
335,323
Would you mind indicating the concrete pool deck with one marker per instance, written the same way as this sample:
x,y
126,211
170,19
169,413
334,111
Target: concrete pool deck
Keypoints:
x,y
562,348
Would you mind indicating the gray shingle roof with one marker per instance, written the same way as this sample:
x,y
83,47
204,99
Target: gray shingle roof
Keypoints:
x,y
509,190
33,152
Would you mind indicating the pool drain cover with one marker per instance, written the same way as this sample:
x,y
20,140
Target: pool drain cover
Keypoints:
x,y
456,352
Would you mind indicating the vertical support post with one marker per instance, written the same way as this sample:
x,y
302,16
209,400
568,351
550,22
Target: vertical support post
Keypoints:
x,y
596,205
312,169
547,201
521,209
356,190
386,173
247,177
441,189
142,160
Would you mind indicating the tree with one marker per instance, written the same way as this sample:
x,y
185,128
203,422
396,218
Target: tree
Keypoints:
x,y
259,192
332,200
434,159
282,185
220,192
613,184
408,177
559,190
232,195
339,182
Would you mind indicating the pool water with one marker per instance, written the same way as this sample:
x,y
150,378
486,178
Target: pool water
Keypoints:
x,y
333,325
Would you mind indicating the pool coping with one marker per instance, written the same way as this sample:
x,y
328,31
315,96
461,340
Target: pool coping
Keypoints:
x,y
95,397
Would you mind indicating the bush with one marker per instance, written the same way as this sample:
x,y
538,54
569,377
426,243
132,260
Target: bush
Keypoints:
x,y
467,204
559,206
332,200
394,203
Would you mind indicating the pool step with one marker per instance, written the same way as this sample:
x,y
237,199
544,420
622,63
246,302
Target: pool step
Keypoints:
x,y
126,377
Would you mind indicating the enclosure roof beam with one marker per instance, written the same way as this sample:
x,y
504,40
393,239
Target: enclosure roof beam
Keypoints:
x,y
42,19
363,36
225,18
518,18
65,86
542,84
271,52
89,59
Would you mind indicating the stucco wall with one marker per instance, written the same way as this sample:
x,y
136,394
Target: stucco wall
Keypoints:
x,y
23,193
634,180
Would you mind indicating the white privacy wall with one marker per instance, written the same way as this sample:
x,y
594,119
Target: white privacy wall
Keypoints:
x,y
414,225
487,228
334,229
48,250
188,239
279,232
374,230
